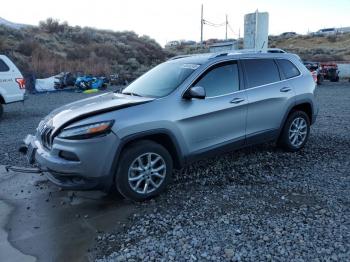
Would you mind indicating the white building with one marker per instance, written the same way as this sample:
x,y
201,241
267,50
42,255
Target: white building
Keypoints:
x,y
256,31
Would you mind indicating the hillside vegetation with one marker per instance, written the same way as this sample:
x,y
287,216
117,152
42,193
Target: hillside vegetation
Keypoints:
x,y
315,48
53,47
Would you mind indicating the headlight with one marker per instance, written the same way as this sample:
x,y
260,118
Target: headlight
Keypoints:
x,y
87,131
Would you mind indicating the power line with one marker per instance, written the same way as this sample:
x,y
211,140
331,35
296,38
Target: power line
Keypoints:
x,y
232,31
206,22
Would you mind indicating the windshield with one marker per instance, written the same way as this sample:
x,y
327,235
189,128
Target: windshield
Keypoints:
x,y
161,80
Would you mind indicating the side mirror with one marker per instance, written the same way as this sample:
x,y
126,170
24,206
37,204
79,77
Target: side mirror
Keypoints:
x,y
195,92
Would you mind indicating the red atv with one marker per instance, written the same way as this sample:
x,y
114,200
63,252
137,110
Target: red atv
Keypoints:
x,y
330,71
315,69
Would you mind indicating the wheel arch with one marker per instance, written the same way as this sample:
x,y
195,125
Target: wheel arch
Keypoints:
x,y
160,136
305,106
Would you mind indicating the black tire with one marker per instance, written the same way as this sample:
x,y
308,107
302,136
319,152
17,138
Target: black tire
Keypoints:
x,y
284,140
1,110
128,156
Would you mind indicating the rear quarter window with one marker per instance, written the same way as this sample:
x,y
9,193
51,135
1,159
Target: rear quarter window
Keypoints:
x,y
3,66
261,72
288,68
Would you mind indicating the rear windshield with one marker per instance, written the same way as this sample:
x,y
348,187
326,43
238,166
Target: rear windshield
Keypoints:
x,y
161,80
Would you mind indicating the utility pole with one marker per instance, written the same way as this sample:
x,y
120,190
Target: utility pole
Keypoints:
x,y
226,24
202,22
256,29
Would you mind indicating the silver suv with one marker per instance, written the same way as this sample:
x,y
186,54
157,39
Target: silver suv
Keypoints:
x,y
181,110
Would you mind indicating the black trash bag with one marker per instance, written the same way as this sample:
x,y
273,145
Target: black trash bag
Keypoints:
x,y
30,82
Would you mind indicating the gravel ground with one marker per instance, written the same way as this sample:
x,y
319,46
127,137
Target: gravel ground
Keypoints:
x,y
256,204
20,119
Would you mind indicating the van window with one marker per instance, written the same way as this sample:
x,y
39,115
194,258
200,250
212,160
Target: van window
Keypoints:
x,y
288,68
3,66
219,80
261,72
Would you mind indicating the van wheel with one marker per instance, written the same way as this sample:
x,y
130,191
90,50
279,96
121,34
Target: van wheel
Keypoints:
x,y
144,171
1,110
295,132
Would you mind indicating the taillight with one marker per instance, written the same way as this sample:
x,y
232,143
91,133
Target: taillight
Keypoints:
x,y
21,83
314,76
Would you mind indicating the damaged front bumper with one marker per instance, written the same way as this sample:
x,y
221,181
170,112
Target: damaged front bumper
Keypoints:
x,y
29,148
75,164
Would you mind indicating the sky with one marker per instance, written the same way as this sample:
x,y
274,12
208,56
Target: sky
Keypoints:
x,y
165,20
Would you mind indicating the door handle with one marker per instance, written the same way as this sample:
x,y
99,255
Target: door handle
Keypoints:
x,y
237,100
285,89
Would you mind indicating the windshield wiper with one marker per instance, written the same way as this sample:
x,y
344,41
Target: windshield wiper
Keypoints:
x,y
131,94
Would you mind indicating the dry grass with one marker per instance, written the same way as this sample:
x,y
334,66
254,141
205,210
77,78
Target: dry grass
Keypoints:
x,y
51,48
315,47
335,48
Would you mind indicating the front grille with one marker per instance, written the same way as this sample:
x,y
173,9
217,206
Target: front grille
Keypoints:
x,y
45,135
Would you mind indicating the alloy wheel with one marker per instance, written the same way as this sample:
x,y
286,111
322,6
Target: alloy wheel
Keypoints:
x,y
298,131
147,173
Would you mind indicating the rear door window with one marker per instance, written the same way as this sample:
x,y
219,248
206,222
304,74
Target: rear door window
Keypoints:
x,y
288,68
261,72
3,66
222,79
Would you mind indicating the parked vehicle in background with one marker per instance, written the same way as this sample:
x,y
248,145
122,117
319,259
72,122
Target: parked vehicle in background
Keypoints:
x,y
184,109
330,71
173,44
12,84
326,32
188,42
288,34
344,30
64,79
315,69
332,75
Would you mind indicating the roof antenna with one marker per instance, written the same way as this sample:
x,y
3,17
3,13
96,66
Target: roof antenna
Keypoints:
x,y
262,46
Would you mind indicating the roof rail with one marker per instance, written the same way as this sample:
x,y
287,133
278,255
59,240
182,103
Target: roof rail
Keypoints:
x,y
220,54
246,51
178,57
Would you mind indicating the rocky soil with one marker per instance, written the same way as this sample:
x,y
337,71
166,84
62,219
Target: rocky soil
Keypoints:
x,y
256,204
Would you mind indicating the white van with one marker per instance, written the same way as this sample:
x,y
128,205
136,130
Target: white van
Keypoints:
x,y
12,84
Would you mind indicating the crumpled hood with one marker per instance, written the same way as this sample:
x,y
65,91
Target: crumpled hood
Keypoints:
x,y
91,106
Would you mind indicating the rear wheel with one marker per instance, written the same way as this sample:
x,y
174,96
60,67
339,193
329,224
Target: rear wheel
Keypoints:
x,y
145,169
295,132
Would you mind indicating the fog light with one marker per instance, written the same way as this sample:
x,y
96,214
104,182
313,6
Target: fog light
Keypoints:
x,y
68,156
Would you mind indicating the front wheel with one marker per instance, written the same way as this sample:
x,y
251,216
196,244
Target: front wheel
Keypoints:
x,y
144,171
295,132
